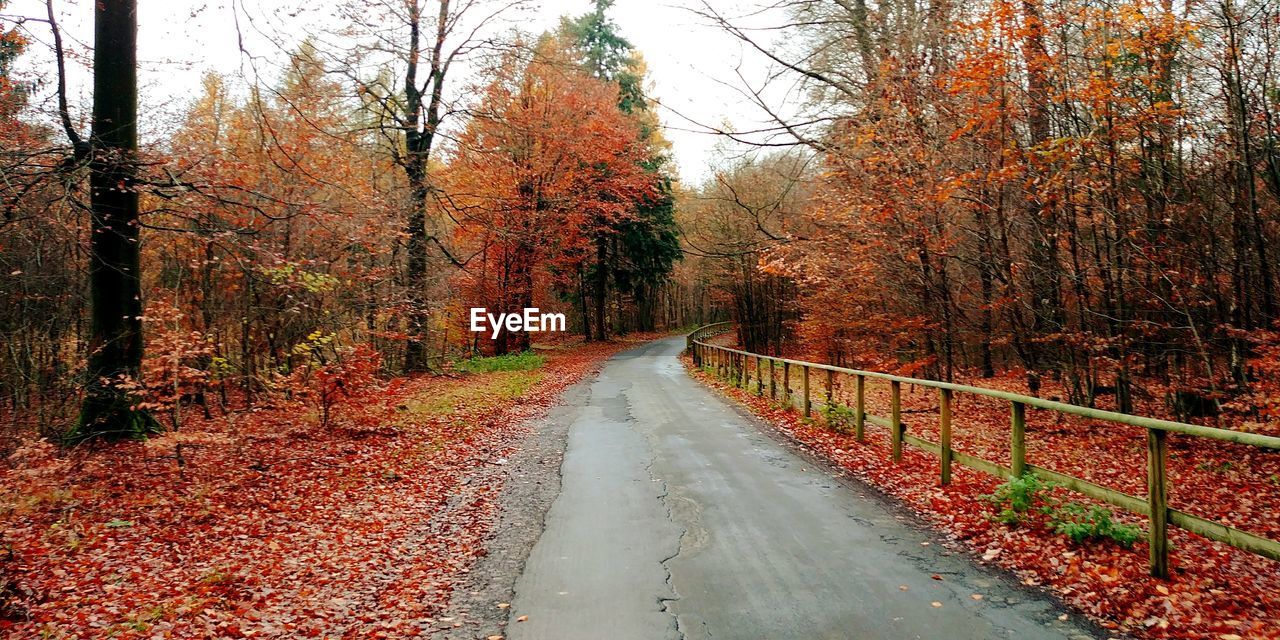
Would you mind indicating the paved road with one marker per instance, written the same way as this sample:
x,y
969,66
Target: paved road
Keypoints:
x,y
679,518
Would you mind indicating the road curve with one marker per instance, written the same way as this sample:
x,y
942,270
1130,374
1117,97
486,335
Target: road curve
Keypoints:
x,y
678,517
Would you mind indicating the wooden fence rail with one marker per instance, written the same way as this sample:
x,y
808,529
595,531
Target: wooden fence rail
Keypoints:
x,y
732,364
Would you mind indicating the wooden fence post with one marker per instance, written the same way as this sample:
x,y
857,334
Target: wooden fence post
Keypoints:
x,y
895,423
742,371
804,386
759,380
786,383
1158,499
860,412
773,379
1018,440
831,391
944,439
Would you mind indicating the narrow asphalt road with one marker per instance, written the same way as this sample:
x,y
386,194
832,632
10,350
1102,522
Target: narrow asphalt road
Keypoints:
x,y
679,518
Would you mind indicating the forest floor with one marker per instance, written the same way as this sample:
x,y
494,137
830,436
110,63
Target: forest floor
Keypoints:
x,y
262,523
1216,592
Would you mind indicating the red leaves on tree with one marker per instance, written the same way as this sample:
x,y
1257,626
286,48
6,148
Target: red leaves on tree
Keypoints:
x,y
548,162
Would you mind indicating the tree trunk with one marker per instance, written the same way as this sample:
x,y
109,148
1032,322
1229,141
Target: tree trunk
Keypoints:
x,y
115,286
421,110
1044,270
601,287
415,353
582,304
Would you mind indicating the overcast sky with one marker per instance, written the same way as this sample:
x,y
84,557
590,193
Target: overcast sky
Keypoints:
x,y
689,61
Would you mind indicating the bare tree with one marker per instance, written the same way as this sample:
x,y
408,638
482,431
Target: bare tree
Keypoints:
x,y
411,102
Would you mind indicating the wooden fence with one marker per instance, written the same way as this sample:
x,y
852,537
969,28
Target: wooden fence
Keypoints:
x,y
733,364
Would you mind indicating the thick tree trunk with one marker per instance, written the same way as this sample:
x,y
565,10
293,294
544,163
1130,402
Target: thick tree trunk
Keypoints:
x,y
115,287
415,354
425,110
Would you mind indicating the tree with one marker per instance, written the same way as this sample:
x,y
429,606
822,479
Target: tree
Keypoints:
x,y
115,270
438,35
12,94
733,224
637,254
1073,192
546,166
286,234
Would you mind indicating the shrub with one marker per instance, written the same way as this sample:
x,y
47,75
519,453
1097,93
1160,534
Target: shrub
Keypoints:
x,y
327,376
1028,499
1020,500
839,417
1093,523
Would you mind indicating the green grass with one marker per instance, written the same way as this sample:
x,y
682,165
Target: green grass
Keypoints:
x,y
525,361
474,393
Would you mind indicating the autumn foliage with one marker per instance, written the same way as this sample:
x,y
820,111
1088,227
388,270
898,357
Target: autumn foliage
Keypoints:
x,y
548,165
1081,195
305,238
1078,200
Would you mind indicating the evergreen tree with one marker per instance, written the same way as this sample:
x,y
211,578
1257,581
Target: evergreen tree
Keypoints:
x,y
635,255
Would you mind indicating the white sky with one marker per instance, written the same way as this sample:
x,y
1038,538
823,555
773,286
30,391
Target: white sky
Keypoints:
x,y
689,61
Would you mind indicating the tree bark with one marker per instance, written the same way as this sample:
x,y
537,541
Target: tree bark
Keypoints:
x,y
115,286
420,129
601,286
